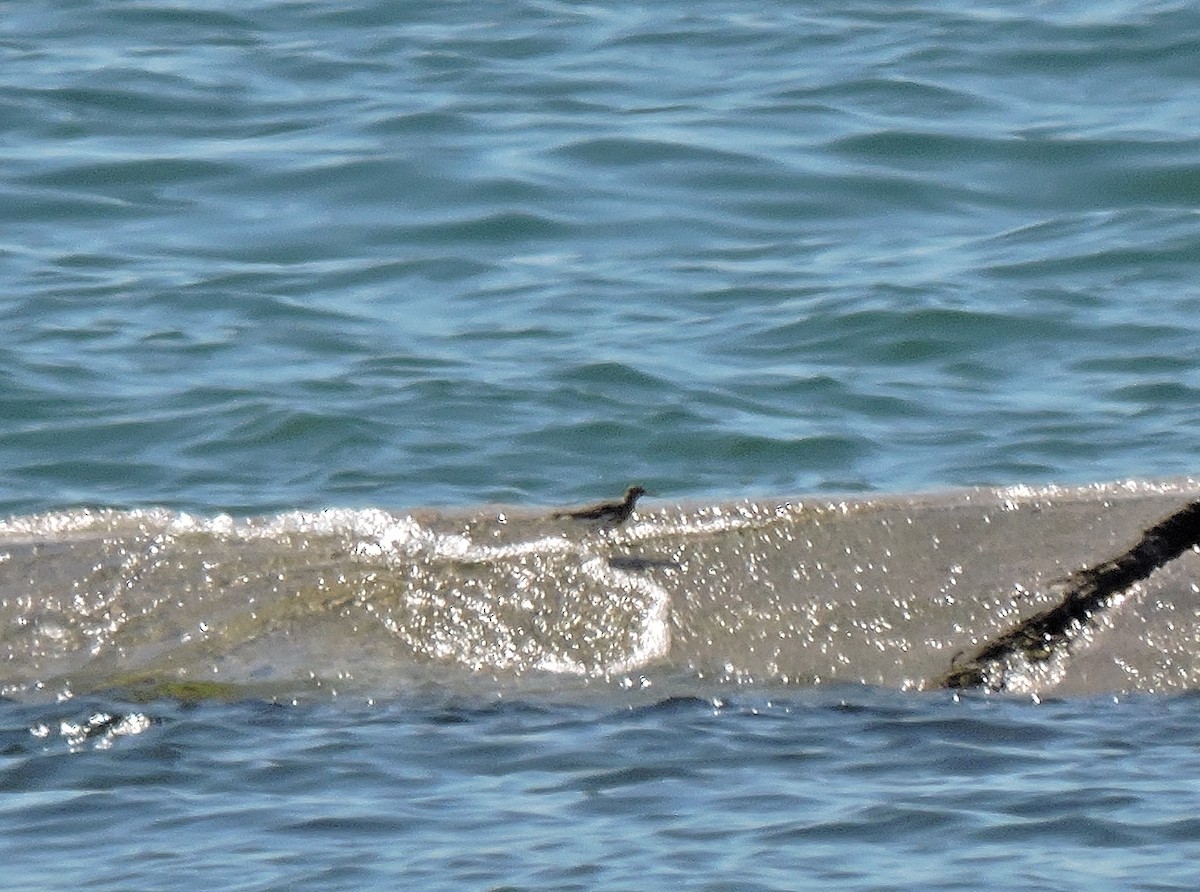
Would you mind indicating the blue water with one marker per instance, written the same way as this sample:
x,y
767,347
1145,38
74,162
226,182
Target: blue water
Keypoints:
x,y
844,790
268,256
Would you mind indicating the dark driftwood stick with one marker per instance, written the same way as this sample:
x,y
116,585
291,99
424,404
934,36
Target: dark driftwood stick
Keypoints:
x,y
1089,590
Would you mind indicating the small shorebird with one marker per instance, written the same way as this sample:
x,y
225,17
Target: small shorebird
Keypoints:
x,y
607,514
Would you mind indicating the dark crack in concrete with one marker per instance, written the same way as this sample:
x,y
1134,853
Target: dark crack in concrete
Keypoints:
x,y
1086,593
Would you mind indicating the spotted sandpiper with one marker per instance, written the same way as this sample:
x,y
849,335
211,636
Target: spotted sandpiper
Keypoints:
x,y
607,514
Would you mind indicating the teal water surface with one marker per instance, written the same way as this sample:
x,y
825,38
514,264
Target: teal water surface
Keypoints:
x,y
269,256
277,255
